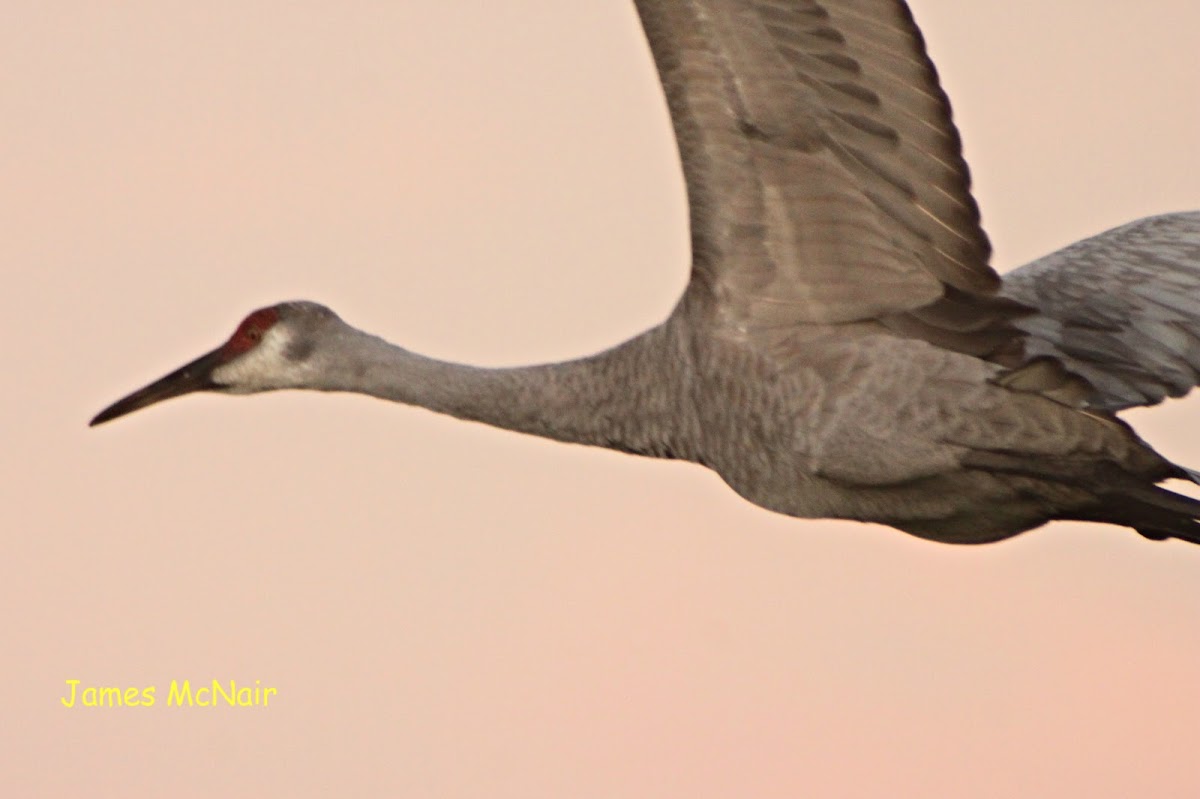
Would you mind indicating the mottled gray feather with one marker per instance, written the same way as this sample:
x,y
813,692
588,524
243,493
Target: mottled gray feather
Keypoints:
x,y
1122,309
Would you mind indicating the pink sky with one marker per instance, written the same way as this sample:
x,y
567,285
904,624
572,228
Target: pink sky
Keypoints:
x,y
453,611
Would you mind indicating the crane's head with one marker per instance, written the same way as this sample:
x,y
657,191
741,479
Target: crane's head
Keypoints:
x,y
270,349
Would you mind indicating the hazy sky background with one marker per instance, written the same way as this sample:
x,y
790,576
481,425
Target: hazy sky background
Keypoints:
x,y
453,611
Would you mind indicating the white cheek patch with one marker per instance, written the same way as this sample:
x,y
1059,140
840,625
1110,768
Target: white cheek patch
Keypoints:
x,y
263,368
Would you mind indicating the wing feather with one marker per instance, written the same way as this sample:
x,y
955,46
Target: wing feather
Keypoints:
x,y
1122,309
825,177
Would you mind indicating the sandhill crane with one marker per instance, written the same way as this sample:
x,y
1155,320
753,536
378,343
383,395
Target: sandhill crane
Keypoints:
x,y
843,348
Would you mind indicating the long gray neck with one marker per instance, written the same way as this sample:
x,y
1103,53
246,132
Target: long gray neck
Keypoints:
x,y
634,397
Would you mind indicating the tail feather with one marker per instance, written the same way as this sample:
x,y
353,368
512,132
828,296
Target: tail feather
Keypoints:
x,y
1123,498
1188,474
1154,512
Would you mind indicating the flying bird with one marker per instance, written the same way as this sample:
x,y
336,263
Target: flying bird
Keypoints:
x,y
843,348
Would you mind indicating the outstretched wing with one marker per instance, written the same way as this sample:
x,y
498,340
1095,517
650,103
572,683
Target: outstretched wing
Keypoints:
x,y
1121,308
825,177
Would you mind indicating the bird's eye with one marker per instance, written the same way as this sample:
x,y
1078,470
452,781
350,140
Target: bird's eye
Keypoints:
x,y
254,335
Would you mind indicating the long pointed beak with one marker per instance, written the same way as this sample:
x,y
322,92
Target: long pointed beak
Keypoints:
x,y
195,376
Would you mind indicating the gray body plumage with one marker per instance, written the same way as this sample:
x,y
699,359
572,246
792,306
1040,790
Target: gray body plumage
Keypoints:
x,y
844,348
